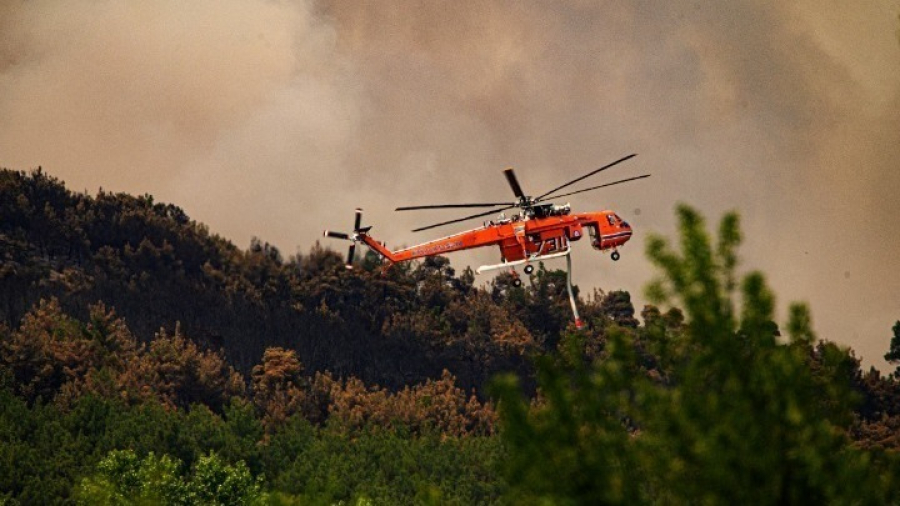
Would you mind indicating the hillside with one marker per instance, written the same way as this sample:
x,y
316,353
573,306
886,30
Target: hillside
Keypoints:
x,y
143,357
158,268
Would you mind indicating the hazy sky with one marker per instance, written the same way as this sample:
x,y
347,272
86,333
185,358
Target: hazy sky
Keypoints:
x,y
276,118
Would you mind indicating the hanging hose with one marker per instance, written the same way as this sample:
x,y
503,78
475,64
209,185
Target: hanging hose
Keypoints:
x,y
578,323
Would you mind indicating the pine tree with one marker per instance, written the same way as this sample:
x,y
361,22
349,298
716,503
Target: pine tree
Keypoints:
x,y
893,354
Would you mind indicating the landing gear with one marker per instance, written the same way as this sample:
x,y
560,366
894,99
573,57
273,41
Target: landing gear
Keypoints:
x,y
528,269
516,281
615,256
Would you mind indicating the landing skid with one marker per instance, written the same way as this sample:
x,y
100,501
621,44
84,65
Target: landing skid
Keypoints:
x,y
578,323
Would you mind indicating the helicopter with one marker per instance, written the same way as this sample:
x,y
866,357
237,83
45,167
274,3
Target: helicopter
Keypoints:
x,y
537,231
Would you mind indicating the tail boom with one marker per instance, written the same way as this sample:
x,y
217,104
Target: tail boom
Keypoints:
x,y
378,248
439,246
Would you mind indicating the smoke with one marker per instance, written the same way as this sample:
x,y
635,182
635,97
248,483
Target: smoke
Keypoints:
x,y
277,118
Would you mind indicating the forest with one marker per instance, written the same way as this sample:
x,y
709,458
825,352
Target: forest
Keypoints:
x,y
145,359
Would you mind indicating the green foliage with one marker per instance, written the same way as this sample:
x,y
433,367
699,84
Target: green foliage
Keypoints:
x,y
740,417
108,451
574,445
215,482
387,467
308,466
124,478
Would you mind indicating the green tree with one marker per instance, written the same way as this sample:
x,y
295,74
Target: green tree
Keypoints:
x,y
124,478
574,446
747,421
216,482
741,418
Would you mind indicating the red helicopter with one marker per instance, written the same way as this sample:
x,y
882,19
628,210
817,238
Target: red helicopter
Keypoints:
x,y
537,231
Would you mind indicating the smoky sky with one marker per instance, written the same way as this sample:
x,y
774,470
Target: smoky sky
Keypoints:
x,y
276,118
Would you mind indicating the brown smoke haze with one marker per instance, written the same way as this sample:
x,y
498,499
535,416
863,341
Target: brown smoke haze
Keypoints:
x,y
276,119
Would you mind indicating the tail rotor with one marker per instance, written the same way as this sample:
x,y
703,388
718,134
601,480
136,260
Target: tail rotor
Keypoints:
x,y
353,238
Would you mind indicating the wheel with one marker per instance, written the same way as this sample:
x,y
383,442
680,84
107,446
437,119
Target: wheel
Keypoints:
x,y
528,269
517,282
615,256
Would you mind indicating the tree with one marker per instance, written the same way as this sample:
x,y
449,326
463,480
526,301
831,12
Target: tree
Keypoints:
x,y
617,305
741,418
747,421
122,477
279,387
573,446
217,482
893,354
174,369
46,352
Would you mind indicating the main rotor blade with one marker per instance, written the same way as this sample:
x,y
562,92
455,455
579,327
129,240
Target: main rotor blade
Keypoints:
x,y
337,235
589,174
513,182
454,206
601,186
463,219
350,254
358,221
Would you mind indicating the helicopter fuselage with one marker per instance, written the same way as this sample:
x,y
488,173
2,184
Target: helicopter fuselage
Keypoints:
x,y
522,238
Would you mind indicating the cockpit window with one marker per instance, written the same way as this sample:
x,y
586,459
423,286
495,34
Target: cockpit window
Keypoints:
x,y
609,218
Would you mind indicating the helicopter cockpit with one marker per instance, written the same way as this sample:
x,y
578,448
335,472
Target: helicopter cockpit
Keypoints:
x,y
609,231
